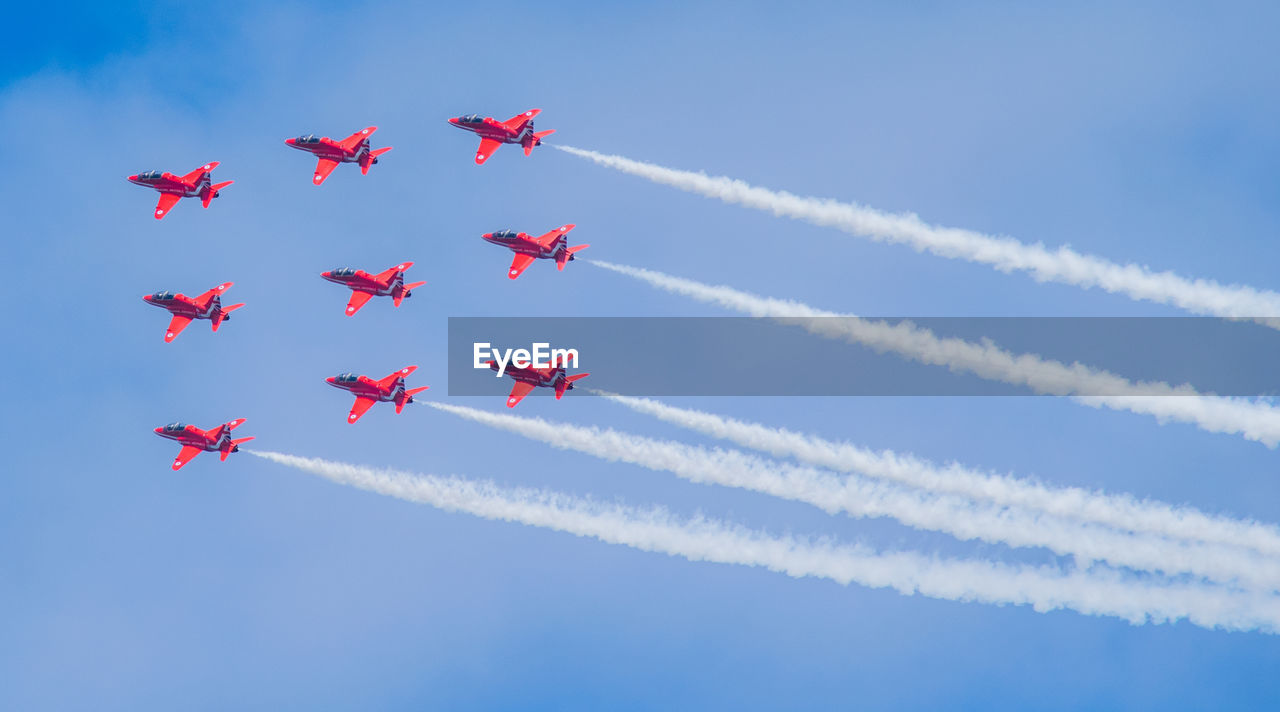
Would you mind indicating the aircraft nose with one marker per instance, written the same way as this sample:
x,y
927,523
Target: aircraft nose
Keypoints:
x,y
454,120
157,430
290,141
133,177
326,275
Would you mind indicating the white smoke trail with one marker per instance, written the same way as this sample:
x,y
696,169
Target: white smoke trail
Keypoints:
x,y
1102,593
1063,265
861,497
1253,420
1119,511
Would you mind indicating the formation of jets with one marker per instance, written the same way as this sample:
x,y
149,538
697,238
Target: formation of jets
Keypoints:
x,y
329,153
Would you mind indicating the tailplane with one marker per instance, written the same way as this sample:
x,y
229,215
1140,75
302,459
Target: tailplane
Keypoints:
x,y
405,292
212,192
408,397
371,158
535,140
223,314
566,255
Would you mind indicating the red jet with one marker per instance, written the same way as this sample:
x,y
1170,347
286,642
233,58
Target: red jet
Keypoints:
x,y
184,308
195,441
196,184
494,133
368,391
365,286
551,246
529,378
352,149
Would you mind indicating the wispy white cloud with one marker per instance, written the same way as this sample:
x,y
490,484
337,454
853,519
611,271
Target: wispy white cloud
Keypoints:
x,y
1063,265
1102,593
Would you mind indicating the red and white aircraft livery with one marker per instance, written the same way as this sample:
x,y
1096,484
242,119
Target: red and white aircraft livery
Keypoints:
x,y
196,184
494,133
368,391
551,246
365,286
184,308
352,149
528,378
195,441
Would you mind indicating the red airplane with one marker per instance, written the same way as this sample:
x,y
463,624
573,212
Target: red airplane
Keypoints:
x,y
184,308
529,378
365,286
368,391
195,441
494,133
352,149
551,246
196,184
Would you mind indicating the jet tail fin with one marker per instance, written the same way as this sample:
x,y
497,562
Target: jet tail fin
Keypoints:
x,y
408,397
235,445
222,315
567,255
405,291
535,140
212,192
371,158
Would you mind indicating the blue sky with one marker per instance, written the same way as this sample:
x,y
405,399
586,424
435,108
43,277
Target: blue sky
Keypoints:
x,y
1145,132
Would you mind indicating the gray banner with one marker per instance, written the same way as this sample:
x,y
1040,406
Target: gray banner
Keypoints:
x,y
650,356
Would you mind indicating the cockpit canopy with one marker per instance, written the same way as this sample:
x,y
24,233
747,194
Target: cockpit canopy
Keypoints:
x,y
504,234
348,377
309,138
471,119
163,296
149,175
343,272
175,427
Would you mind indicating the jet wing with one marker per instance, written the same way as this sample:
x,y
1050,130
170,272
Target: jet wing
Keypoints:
x,y
389,381
386,274
349,143
547,239
194,176
358,299
518,392
167,201
515,122
362,405
487,147
323,168
176,325
519,265
184,455
204,299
